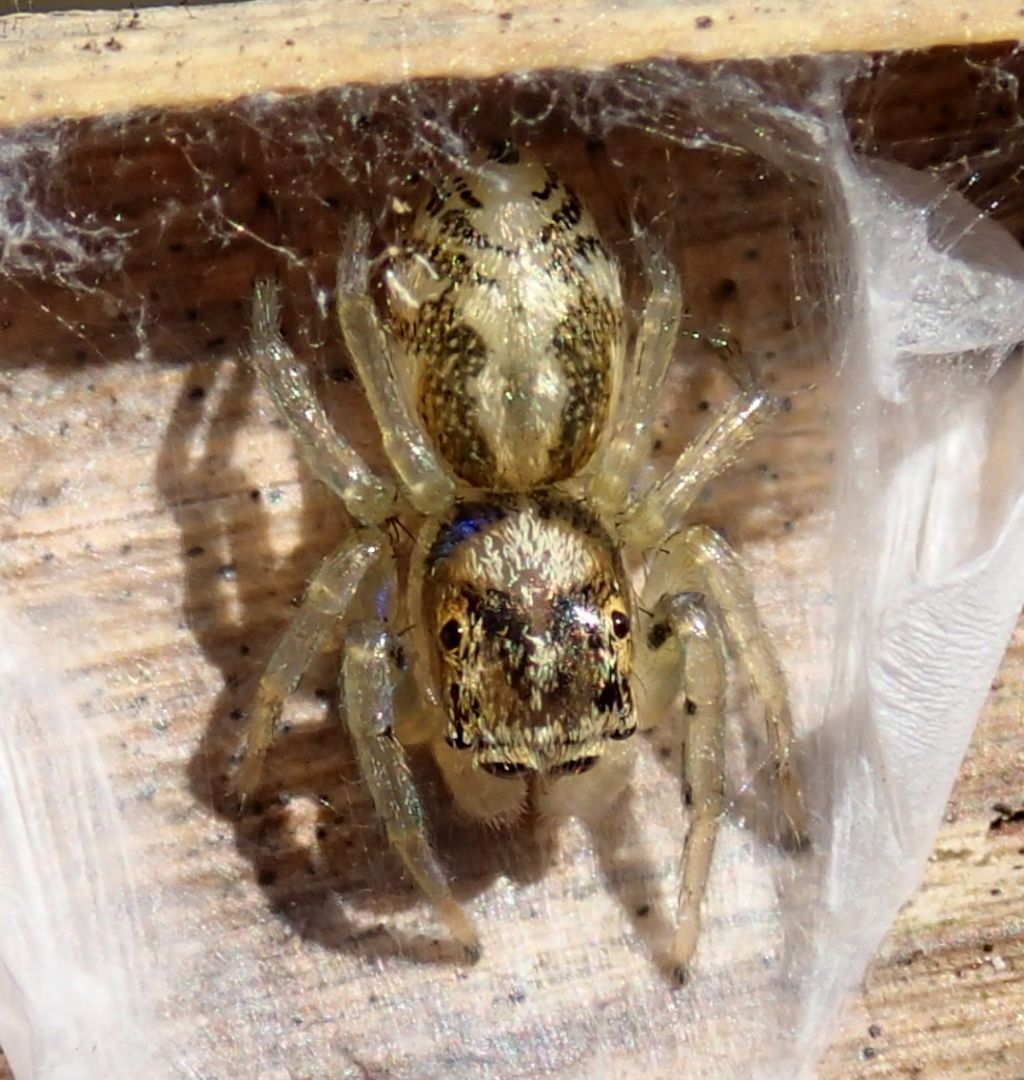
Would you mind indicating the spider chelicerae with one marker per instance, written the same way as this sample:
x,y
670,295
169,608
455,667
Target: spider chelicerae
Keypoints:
x,y
516,421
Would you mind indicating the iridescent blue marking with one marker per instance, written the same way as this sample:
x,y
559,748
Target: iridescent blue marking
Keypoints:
x,y
470,519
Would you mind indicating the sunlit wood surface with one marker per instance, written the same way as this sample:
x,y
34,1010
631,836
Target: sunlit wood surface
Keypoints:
x,y
91,63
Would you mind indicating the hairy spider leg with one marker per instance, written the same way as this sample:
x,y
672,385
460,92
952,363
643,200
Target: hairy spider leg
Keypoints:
x,y
699,560
326,601
661,510
686,638
430,488
368,680
330,456
618,463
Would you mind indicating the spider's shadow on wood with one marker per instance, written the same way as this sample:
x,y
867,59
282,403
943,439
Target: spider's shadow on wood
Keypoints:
x,y
313,839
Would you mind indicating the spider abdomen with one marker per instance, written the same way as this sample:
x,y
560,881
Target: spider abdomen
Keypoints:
x,y
509,310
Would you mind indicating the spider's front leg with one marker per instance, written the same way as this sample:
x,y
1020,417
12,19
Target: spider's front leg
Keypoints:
x,y
334,461
702,600
686,649
699,560
326,601
369,678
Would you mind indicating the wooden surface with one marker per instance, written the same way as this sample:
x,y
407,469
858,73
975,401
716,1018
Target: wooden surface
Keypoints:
x,y
78,64
156,525
944,1000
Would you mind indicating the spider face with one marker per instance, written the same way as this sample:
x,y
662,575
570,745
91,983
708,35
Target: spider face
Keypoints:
x,y
529,617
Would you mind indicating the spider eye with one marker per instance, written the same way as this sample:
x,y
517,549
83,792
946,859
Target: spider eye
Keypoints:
x,y
620,624
451,634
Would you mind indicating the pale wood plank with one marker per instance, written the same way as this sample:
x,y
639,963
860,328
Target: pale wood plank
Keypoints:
x,y
76,64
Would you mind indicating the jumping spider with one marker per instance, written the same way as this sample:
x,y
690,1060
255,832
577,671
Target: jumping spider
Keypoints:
x,y
517,424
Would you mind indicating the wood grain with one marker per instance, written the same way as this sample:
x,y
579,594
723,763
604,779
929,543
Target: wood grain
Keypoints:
x,y
77,64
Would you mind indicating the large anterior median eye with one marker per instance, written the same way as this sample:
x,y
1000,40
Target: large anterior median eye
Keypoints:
x,y
451,634
620,624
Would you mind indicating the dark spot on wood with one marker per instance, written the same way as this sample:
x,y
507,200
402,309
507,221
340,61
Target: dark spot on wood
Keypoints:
x,y
726,289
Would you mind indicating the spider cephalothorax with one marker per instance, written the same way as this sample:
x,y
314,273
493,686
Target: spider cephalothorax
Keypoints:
x,y
527,602
516,422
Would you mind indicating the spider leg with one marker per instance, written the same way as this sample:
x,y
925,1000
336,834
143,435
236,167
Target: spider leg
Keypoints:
x,y
414,460
369,679
618,462
661,509
686,630
700,560
328,453
327,598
